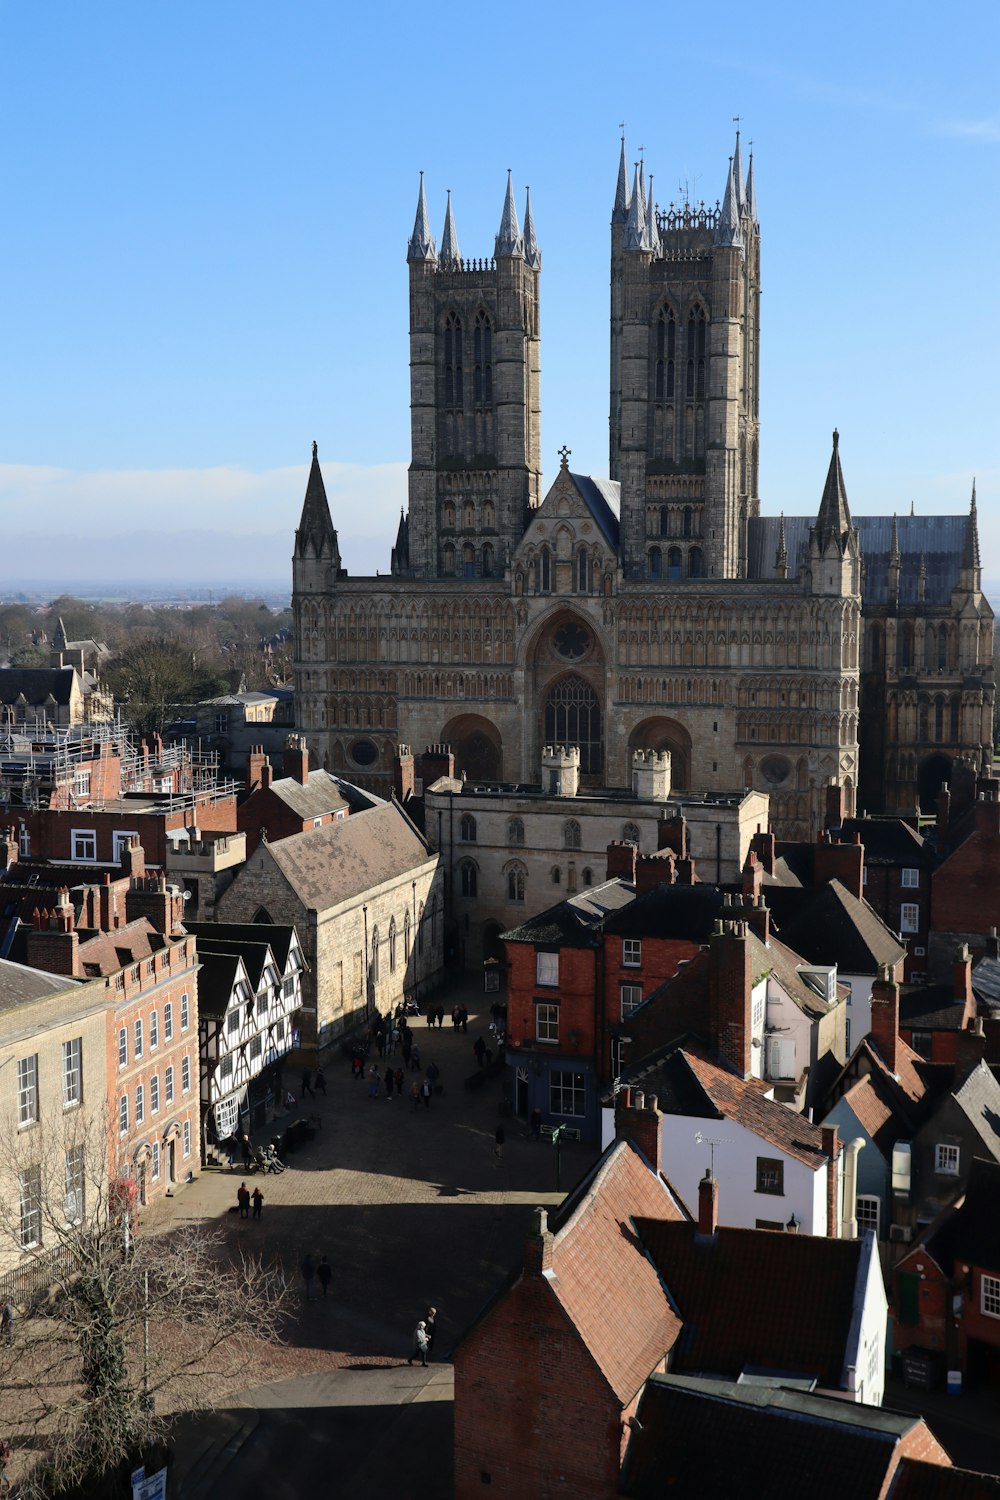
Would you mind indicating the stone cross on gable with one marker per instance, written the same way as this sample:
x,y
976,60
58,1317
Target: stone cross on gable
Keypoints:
x,y
564,454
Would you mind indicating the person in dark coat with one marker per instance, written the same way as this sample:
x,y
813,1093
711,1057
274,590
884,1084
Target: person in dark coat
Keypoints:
x,y
499,1137
324,1271
320,1081
307,1084
258,1202
243,1199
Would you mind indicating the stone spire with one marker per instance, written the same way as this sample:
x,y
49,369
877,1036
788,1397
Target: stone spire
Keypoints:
x,y
971,572
315,536
921,579
635,228
751,196
532,254
421,246
400,562
894,553
727,231
894,563
781,555
741,192
622,195
652,233
834,518
449,239
508,241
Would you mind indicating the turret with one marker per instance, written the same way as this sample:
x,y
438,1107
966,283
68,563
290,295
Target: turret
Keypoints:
x,y
421,244
834,556
508,240
450,253
316,539
635,225
971,576
532,254
727,230
623,197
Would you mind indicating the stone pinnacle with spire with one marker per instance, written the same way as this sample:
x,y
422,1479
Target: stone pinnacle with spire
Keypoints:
x,y
652,233
781,555
421,246
532,254
834,518
316,536
741,192
508,241
622,195
971,571
450,252
635,227
727,230
751,196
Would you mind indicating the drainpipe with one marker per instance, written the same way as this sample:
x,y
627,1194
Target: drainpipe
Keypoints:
x,y
718,853
850,1211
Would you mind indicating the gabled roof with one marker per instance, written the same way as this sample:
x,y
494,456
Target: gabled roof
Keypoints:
x,y
602,498
916,1480
931,1007
670,911
969,1231
37,685
777,959
744,1102
717,1440
320,795
325,866
978,1097
880,1110
834,927
576,922
107,952
889,841
767,1284
231,936
216,978
986,982
19,983
601,1276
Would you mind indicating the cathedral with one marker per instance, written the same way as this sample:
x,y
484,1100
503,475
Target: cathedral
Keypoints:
x,y
655,609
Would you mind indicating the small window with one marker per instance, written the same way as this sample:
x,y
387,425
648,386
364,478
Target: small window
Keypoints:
x,y
770,1175
922,1043
119,843
186,1137
567,1094
571,834
122,1047
469,875
186,1069
226,1065
154,1030
864,875
911,878
547,968
168,1086
72,1073
631,998
867,1213
154,1094
81,784
30,1184
632,953
140,1104
467,829
631,835
587,876
154,1161
123,1114
515,831
137,1038
546,1023
946,1159
909,917
233,1022
990,1295
185,1011
83,844
74,1185
515,883
168,1022
27,1090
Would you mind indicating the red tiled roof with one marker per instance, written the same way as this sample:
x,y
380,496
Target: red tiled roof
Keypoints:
x,y
873,1110
915,1480
906,1075
757,1297
110,951
743,1101
604,1280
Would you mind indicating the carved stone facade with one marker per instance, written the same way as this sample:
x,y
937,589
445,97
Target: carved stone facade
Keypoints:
x,y
656,610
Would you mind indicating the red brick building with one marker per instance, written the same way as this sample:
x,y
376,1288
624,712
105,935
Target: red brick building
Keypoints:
x,y
965,888
276,808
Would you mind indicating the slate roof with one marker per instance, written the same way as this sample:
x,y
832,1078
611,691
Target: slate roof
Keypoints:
x,y
915,1480
718,1440
576,922
834,927
36,684
777,959
744,1102
939,539
602,498
601,1276
931,1007
231,935
889,841
216,977
325,866
670,911
766,1281
320,795
18,984
978,1097
969,1230
986,982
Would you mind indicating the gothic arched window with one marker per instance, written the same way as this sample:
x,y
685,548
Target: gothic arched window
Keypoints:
x,y
373,969
448,518
544,571
515,831
674,563
939,719
487,561
582,572
953,721
688,519
392,945
904,647
664,521
469,560
406,937
666,337
449,557
469,873
556,875
695,566
696,353
655,563
483,352
573,717
468,515
467,829
515,873
571,834
453,361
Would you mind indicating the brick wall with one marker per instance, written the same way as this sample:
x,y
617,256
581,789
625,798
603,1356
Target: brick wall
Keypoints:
x,y
575,994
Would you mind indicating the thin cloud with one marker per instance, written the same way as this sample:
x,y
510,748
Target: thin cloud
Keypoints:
x,y
987,132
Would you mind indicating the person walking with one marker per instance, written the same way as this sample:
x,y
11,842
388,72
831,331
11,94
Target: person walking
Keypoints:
x,y
414,1095
247,1148
243,1199
425,1093
308,1277
258,1202
232,1146
325,1272
407,1046
536,1125
430,1328
440,1016
320,1081
415,1058
7,1317
307,1084
465,1019
419,1350
479,1048
373,1082
498,1143
399,1080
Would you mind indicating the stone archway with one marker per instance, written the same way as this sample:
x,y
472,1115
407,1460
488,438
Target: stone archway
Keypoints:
x,y
568,688
665,734
477,746
571,715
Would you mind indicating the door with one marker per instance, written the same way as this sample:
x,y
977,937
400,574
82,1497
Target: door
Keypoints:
x,y
172,1162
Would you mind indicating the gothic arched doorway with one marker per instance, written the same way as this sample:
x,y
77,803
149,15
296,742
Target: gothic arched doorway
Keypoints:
x,y
477,745
664,734
933,771
572,716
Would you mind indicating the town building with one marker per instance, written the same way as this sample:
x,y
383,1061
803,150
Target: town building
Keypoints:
x,y
965,887
365,894
275,808
657,609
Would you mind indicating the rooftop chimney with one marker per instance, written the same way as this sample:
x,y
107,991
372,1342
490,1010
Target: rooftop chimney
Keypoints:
x,y
638,1120
403,774
133,857
970,1049
622,860
708,1204
836,805
962,971
256,760
538,1245
296,759
885,1016
8,848
753,876
843,862
729,987
436,761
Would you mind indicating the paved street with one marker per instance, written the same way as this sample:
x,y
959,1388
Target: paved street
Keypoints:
x,y
412,1209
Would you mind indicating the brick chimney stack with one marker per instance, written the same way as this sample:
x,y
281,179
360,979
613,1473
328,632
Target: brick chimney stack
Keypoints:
x,y
436,761
161,904
403,774
652,870
538,1245
53,945
295,762
8,848
843,862
836,805
638,1119
133,857
988,806
708,1205
831,1150
730,980
256,761
762,845
962,971
266,775
885,1016
753,876
943,814
622,856
757,915
686,872
672,833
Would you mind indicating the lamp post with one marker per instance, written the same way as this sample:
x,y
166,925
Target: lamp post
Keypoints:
x,y
557,1136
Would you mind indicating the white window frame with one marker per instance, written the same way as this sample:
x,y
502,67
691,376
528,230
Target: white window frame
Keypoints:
x,y
83,845
24,841
947,1160
154,1030
27,1091
185,1011
30,1193
140,1103
168,1085
123,1115
546,1023
547,968
81,784
123,1046
168,1022
72,1059
989,1295
137,1037
154,1094
911,879
632,953
119,843
871,1201
186,1072
559,1090
909,917
74,1185
154,1161
631,1000
186,1135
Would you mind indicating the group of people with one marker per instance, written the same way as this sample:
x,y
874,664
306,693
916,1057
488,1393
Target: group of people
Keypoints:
x,y
313,1271
394,1081
459,1018
244,1198
423,1337
309,1078
255,1158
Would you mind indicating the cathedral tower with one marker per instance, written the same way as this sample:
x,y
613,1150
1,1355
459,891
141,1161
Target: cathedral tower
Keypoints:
x,y
475,467
685,318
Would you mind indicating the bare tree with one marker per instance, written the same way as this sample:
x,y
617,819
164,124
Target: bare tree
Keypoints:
x,y
121,1329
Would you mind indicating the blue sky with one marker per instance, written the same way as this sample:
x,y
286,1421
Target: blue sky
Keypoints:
x,y
206,209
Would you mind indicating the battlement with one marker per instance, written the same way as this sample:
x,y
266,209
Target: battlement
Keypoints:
x,y
561,770
651,758
463,267
687,216
651,775
567,755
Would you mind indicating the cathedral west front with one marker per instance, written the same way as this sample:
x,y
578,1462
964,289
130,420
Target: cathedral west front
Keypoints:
x,y
657,608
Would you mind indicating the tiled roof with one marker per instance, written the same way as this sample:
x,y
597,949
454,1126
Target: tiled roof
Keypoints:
x,y
601,1276
834,927
576,922
670,911
931,1007
969,1230
907,1075
744,1102
319,796
767,1283
325,866
776,958
716,1440
36,684
18,983
231,935
914,1480
107,952
877,1112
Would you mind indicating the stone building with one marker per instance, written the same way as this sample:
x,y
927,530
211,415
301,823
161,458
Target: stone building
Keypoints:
x,y
657,609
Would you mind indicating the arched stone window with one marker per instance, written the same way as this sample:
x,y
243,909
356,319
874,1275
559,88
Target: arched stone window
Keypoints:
x,y
666,340
406,937
448,517
556,875
674,563
487,561
467,829
545,571
469,560
573,717
631,834
453,392
655,563
469,875
373,968
695,564
392,945
515,876
587,876
688,521
449,558
468,515
664,520
483,352
571,834
515,831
